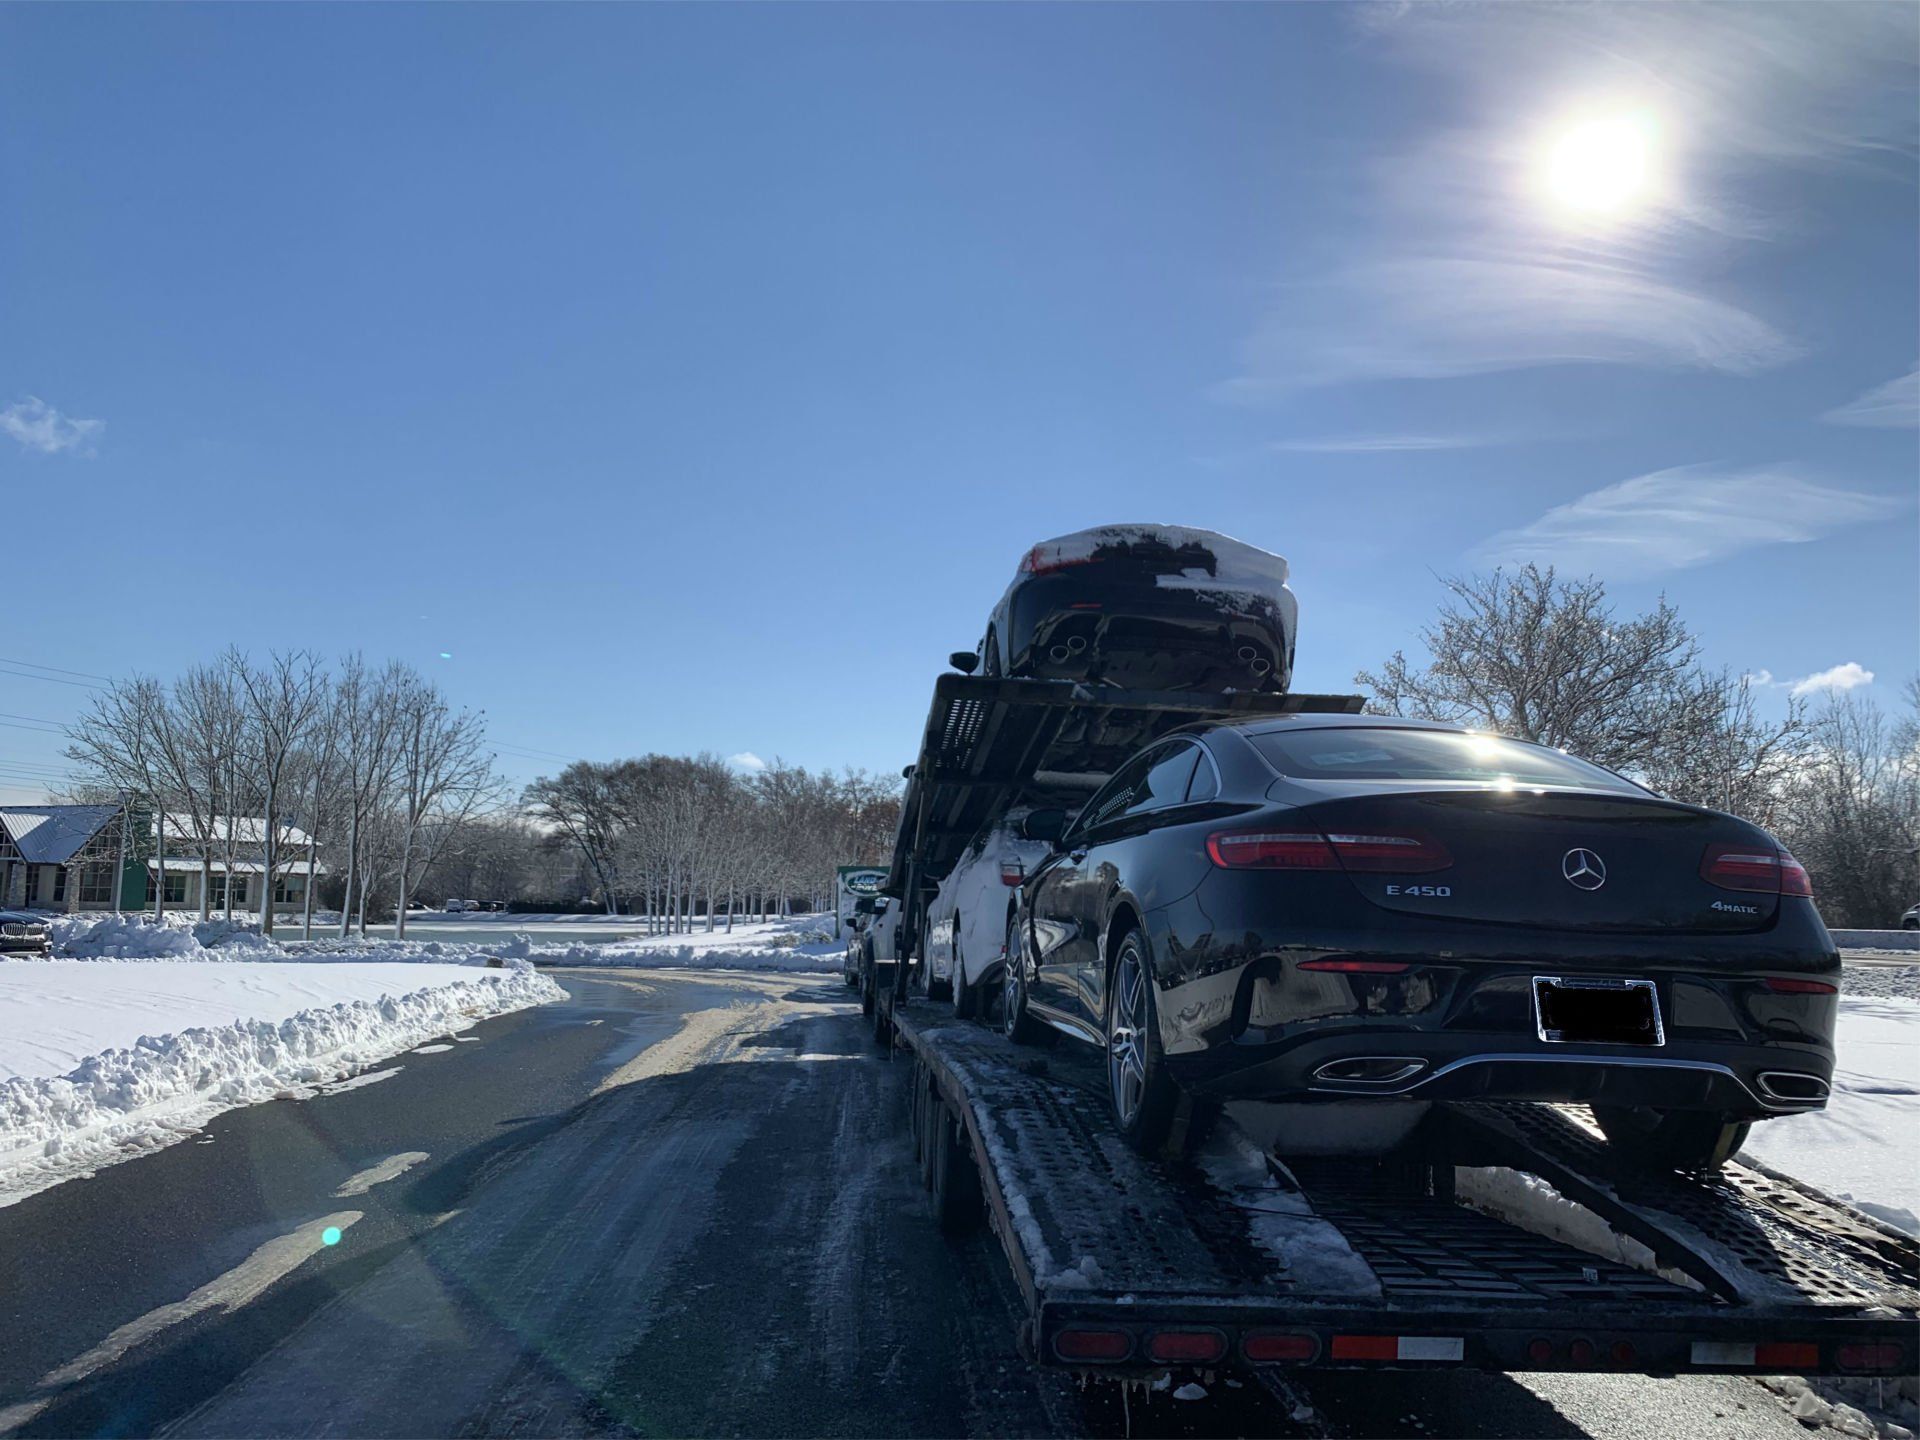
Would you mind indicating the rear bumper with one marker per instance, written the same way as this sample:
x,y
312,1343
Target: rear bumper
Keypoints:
x,y
1493,1067
1243,1015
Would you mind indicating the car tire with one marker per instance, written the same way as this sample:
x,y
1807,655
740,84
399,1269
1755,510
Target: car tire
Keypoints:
x,y
954,1186
1694,1140
1015,1022
866,988
990,666
1140,1093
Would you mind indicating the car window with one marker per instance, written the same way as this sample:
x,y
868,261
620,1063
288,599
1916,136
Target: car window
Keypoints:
x,y
1386,753
1155,777
1206,782
1165,783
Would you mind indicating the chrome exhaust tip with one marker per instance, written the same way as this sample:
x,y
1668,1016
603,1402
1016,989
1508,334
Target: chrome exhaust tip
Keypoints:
x,y
1791,1086
1247,654
1058,653
1260,666
1076,643
1370,1069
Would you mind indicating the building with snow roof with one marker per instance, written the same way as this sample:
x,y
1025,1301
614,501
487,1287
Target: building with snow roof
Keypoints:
x,y
66,857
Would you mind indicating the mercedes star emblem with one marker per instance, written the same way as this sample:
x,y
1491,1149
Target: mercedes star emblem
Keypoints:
x,y
1583,869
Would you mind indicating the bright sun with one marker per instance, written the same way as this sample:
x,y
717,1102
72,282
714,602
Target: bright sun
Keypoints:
x,y
1604,166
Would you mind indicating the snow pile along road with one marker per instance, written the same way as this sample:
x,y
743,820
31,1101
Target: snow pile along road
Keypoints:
x,y
100,1061
801,944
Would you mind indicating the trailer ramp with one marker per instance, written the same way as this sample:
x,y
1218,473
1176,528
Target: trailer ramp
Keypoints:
x,y
1129,1265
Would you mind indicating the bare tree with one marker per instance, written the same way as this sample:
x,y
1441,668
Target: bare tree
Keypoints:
x,y
115,739
444,778
282,698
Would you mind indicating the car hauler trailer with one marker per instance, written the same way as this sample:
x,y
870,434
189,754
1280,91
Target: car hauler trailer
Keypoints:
x,y
990,744
1498,1237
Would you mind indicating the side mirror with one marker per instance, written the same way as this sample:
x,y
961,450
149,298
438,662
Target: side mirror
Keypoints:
x,y
965,661
1047,825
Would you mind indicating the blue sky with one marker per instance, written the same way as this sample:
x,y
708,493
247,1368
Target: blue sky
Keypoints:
x,y
694,377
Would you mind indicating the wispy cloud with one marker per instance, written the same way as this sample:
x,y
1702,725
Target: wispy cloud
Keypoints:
x,y
1838,677
38,426
1380,444
1893,406
1459,266
1674,519
748,761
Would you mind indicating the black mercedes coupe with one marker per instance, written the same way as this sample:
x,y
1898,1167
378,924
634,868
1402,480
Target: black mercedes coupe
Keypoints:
x,y
1337,906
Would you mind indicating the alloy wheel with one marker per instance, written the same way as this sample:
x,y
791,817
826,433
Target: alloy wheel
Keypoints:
x,y
1126,1027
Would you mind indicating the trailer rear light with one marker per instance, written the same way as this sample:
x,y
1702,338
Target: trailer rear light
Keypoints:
x,y
1355,967
1623,1354
1781,986
1081,1343
1868,1357
1786,1355
1391,854
1539,1351
1269,1347
1270,850
1187,1347
1753,868
1398,1347
1581,1352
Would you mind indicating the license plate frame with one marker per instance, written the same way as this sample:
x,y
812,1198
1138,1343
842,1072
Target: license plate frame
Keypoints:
x,y
1603,1011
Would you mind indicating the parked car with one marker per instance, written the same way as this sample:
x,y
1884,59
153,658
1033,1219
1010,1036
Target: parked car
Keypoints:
x,y
865,910
458,907
1154,607
1911,920
1324,907
23,932
969,920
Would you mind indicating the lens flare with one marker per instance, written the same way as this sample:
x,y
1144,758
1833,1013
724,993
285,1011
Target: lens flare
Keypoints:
x,y
1604,166
330,1235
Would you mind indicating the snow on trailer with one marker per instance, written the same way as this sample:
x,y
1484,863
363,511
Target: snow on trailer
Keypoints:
x,y
1501,1238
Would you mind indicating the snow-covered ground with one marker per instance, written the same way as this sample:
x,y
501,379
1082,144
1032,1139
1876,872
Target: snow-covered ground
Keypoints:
x,y
1865,1146
144,1032
800,943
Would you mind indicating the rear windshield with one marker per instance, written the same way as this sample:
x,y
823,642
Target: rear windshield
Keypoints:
x,y
1383,753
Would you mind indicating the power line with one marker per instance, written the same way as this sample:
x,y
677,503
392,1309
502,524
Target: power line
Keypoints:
x,y
50,679
41,718
36,665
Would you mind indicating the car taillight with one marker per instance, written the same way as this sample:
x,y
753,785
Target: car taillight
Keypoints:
x,y
1754,868
1306,850
1045,559
1270,850
1786,985
1392,854
1012,872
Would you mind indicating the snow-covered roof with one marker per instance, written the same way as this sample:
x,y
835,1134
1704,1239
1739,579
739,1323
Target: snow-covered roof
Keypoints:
x,y
247,830
191,865
54,834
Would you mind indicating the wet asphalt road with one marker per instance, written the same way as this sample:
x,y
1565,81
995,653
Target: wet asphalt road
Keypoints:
x,y
673,1205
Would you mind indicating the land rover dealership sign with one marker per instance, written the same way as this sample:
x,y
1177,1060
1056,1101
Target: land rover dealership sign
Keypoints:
x,y
856,881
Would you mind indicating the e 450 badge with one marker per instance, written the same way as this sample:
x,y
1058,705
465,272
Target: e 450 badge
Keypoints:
x,y
1425,892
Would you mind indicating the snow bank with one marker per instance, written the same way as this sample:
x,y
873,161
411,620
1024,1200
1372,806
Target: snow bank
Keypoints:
x,y
141,937
1862,1148
793,944
102,1061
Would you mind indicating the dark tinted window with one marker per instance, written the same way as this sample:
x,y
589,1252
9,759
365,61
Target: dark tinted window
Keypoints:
x,y
1155,777
1384,753
1168,774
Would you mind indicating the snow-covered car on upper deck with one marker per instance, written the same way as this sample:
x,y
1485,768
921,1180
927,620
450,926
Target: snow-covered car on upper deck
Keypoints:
x,y
1147,607
968,921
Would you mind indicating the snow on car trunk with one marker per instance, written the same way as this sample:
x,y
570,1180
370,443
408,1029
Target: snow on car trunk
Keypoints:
x,y
101,1060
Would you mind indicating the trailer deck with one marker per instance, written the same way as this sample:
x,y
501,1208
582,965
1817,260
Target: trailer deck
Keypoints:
x,y
1131,1265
